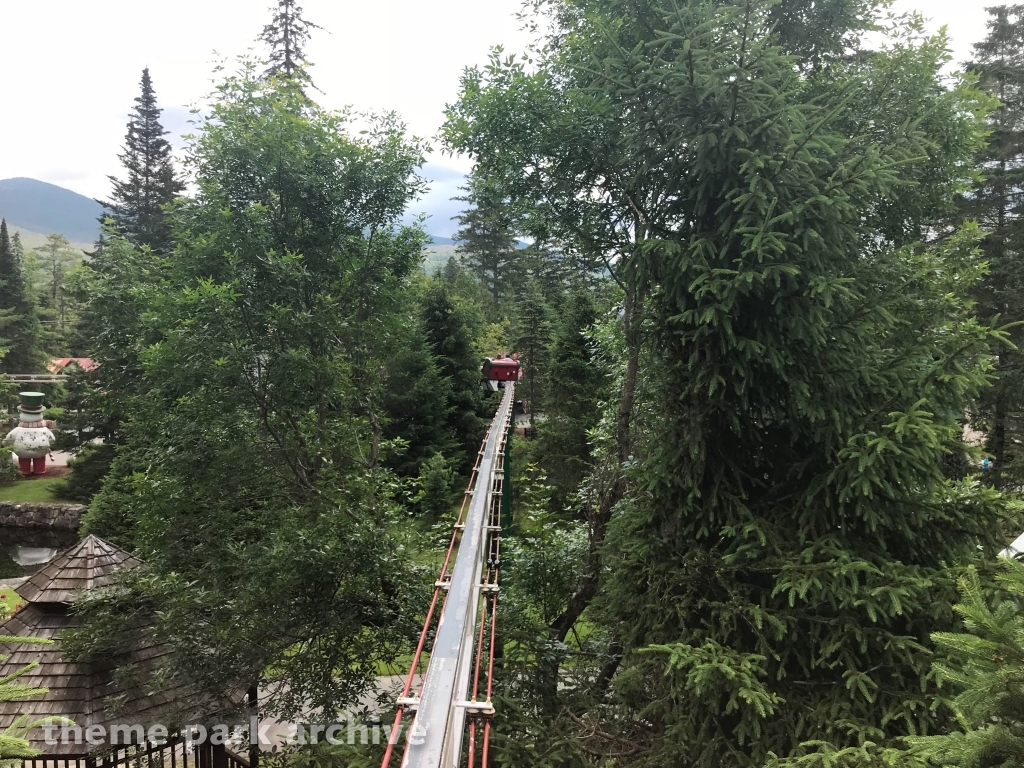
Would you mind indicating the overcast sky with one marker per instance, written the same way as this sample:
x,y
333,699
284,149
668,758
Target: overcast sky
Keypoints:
x,y
71,70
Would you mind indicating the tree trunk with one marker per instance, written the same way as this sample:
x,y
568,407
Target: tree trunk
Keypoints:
x,y
599,515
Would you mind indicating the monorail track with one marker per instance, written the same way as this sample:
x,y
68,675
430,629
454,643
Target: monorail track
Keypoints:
x,y
454,699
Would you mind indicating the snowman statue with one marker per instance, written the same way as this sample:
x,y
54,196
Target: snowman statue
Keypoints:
x,y
31,439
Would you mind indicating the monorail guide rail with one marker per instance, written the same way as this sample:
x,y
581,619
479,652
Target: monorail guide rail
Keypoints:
x,y
446,700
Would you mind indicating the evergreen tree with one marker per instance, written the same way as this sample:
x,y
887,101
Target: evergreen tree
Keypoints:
x,y
574,388
57,258
416,401
487,240
531,336
782,535
986,667
447,326
997,203
437,481
137,204
287,35
14,744
19,323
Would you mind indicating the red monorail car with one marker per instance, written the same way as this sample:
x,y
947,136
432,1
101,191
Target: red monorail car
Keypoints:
x,y
497,372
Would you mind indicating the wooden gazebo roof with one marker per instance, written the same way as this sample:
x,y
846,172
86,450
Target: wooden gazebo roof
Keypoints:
x,y
89,564
78,691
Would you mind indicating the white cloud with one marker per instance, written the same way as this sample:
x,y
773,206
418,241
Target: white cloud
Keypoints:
x,y
72,69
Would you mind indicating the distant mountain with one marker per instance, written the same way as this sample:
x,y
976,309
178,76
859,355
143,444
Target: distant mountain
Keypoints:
x,y
37,206
435,240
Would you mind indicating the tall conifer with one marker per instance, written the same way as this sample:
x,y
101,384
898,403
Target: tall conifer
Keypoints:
x,y
287,35
574,387
19,325
487,240
997,203
531,337
447,326
150,182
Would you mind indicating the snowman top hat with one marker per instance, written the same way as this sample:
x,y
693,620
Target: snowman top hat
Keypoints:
x,y
30,408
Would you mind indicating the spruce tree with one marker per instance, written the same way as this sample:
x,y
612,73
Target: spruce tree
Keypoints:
x,y
531,335
486,240
574,387
57,258
780,536
150,183
997,203
416,402
447,326
986,671
287,35
19,324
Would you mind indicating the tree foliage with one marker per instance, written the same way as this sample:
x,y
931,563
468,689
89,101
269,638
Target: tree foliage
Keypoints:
x,y
575,385
986,668
286,35
19,323
449,325
14,746
995,202
782,535
487,239
138,202
251,481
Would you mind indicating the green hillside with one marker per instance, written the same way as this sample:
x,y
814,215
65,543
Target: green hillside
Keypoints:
x,y
32,240
437,256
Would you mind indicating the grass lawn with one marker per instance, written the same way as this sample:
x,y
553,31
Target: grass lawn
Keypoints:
x,y
30,490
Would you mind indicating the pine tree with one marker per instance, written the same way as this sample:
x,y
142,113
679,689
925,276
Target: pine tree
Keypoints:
x,y
574,388
14,744
150,182
986,668
416,398
447,327
17,248
287,35
19,324
486,240
531,335
57,257
997,203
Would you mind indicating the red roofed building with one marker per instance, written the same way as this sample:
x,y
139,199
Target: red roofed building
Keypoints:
x,y
59,364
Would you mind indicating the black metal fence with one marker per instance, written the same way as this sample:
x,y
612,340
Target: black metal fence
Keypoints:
x,y
175,754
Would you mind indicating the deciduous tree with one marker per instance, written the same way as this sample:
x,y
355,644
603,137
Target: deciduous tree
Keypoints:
x,y
251,483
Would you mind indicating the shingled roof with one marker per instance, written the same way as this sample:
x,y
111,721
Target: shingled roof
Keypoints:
x,y
89,564
79,691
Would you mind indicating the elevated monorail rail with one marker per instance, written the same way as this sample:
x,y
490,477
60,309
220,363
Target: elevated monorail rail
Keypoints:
x,y
456,690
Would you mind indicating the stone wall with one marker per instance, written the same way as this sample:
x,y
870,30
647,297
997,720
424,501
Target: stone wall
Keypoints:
x,y
65,517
